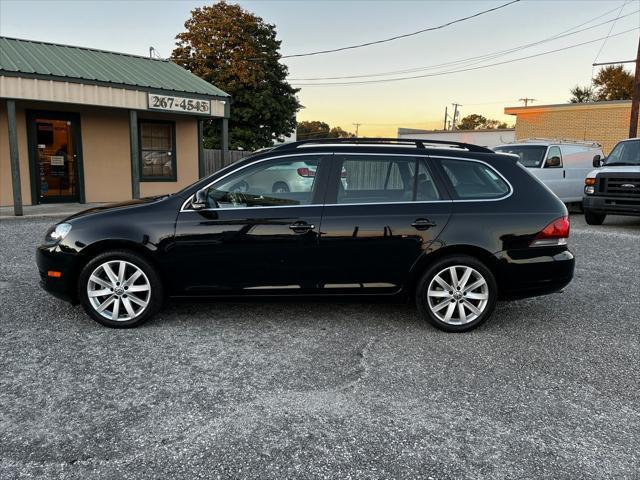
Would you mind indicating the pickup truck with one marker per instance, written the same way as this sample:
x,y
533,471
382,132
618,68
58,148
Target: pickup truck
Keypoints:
x,y
614,186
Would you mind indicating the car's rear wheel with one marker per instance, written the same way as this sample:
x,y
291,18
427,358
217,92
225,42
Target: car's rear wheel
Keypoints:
x,y
120,289
457,293
593,218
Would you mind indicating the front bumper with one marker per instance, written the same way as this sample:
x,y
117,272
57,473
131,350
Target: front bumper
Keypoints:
x,y
612,205
53,259
534,271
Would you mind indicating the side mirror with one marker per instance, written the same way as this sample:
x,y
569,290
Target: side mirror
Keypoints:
x,y
200,200
597,161
553,162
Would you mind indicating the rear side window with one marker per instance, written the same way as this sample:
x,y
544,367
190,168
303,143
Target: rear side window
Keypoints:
x,y
474,180
382,179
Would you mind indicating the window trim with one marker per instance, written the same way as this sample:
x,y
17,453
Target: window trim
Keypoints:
x,y
174,172
437,173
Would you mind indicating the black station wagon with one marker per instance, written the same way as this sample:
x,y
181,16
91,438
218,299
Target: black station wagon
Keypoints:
x,y
451,226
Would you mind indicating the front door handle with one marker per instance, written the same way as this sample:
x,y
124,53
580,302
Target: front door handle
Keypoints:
x,y
422,224
301,227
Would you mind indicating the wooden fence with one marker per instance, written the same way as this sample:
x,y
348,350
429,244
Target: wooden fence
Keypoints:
x,y
213,159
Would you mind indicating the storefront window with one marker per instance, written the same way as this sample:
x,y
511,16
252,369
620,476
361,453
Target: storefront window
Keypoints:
x,y
157,151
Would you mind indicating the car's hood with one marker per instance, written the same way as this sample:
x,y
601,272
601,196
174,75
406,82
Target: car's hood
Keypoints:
x,y
615,169
115,206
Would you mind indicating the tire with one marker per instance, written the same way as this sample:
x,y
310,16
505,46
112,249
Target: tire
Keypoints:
x,y
280,187
593,218
430,294
115,288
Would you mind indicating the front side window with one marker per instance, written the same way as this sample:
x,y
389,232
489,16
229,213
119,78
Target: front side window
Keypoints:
x,y
625,153
157,151
554,158
474,180
272,183
382,179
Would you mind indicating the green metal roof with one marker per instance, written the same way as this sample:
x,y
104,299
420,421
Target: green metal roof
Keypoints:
x,y
64,62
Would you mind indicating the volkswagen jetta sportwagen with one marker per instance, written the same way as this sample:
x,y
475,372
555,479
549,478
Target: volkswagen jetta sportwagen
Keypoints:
x,y
452,226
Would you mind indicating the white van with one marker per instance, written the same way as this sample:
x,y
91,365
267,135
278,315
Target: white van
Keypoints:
x,y
562,165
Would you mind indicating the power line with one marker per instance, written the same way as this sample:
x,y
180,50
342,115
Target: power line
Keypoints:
x,y
610,30
376,42
487,56
385,80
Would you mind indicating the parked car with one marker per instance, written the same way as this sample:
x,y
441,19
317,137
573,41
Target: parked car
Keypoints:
x,y
560,165
614,187
452,226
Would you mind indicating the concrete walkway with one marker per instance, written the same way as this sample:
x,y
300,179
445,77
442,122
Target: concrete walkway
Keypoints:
x,y
47,210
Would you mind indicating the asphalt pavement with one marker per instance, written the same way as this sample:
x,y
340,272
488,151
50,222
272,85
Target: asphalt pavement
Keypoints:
x,y
549,388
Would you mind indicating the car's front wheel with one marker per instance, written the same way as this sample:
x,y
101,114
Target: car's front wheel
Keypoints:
x,y
457,293
120,289
593,218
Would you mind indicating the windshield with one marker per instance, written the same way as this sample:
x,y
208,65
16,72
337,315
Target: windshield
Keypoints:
x,y
625,153
531,156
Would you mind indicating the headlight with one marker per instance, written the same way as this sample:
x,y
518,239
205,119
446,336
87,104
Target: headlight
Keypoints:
x,y
58,233
589,190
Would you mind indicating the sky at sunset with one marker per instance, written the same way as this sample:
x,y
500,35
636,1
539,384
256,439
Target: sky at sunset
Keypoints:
x,y
381,108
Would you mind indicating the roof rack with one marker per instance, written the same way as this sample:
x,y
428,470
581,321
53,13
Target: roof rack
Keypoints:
x,y
418,143
588,143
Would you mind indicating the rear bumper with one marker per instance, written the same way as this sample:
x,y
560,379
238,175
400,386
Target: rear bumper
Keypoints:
x,y
52,259
532,272
612,205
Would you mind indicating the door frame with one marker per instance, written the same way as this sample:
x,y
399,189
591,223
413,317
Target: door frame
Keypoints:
x,y
74,118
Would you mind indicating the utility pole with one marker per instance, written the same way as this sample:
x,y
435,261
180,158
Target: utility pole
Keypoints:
x,y
635,96
455,115
635,99
357,125
527,100
444,126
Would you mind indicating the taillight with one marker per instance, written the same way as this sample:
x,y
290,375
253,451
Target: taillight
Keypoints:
x,y
556,233
306,172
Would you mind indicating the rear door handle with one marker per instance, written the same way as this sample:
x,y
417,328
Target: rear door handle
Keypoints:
x,y
422,224
301,227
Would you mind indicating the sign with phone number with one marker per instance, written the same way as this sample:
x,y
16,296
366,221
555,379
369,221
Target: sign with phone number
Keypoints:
x,y
179,104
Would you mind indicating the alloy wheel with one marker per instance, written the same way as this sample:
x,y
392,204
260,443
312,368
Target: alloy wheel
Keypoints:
x,y
118,290
458,295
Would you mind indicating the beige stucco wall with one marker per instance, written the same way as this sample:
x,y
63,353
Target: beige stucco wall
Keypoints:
x,y
605,123
6,190
105,150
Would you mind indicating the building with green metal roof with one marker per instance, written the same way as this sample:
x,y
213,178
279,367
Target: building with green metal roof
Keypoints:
x,y
85,125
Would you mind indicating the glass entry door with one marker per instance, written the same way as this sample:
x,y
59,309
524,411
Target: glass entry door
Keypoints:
x,y
55,140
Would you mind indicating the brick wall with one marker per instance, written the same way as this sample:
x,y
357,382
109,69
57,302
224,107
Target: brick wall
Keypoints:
x,y
602,122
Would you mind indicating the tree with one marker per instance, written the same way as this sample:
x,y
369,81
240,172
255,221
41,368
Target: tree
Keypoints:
x,y
475,122
614,83
315,129
582,94
611,83
238,52
312,129
337,132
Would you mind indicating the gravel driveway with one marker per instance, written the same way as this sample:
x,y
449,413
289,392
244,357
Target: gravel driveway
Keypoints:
x,y
548,389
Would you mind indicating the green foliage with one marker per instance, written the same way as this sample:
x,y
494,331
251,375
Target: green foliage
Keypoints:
x,y
479,122
614,83
582,94
316,129
611,83
238,52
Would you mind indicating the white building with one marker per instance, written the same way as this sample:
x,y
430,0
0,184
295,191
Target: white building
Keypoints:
x,y
486,138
